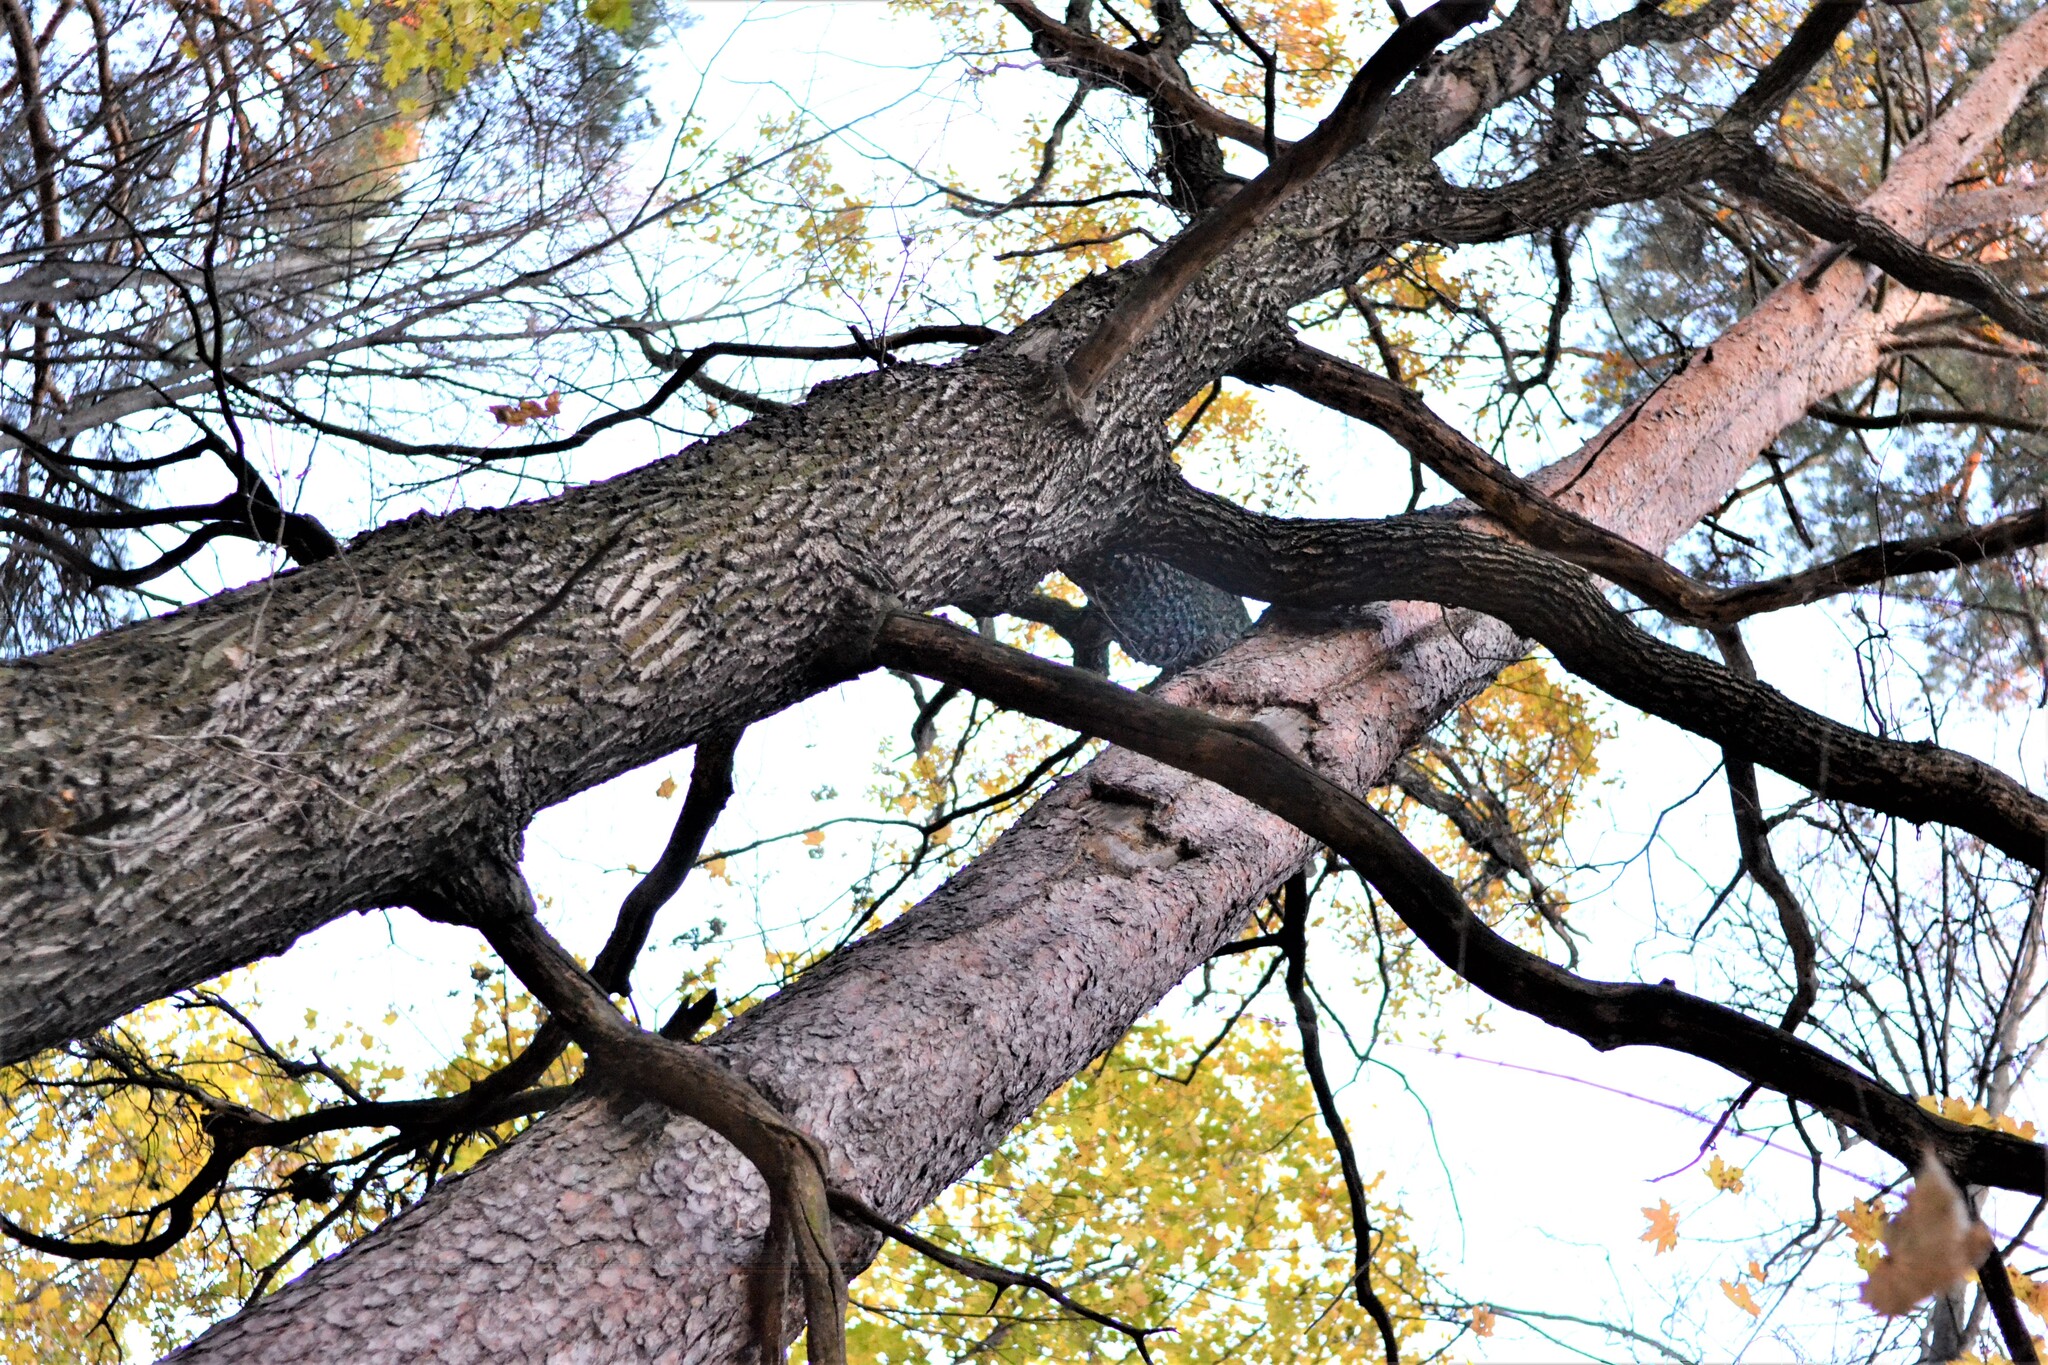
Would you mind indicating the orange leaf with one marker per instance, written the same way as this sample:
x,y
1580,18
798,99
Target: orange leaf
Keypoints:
x,y
666,789
1663,1226
1482,1321
1738,1294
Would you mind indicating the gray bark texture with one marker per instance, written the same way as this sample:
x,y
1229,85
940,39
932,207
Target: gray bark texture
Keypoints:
x,y
188,794
602,1237
191,793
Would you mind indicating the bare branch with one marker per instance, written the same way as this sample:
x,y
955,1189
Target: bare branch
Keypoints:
x,y
849,1205
1252,761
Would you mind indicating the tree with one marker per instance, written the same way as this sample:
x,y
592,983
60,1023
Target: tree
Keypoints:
x,y
197,790
217,220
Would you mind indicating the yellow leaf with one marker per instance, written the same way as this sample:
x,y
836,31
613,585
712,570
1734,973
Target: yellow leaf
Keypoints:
x,y
2028,1291
1724,1176
1864,1221
716,867
1663,1226
666,789
1738,1294
1957,1110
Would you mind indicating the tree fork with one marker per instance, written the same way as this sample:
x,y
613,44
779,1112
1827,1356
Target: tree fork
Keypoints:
x,y
1097,902
191,793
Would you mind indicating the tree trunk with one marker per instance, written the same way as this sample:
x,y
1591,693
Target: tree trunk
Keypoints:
x,y
913,1053
194,792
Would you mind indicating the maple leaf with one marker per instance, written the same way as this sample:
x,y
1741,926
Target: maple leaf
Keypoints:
x,y
1738,1294
526,410
1724,1176
2029,1291
1930,1246
666,789
1865,1221
1483,1321
1663,1226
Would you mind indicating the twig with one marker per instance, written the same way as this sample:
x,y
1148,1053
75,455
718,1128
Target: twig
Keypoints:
x,y
1294,934
851,1206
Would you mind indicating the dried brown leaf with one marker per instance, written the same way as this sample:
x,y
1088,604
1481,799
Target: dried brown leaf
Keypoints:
x,y
1931,1245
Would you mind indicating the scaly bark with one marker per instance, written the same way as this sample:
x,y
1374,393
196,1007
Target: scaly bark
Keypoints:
x,y
913,1053
192,793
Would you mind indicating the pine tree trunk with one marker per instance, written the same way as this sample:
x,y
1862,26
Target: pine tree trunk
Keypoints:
x,y
912,1054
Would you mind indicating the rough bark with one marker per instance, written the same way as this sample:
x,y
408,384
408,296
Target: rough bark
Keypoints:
x,y
913,1053
189,794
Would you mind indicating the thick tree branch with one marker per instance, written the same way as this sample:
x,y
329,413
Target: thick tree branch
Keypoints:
x,y
2005,1309
1086,58
1170,272
1323,565
710,789
1253,761
490,896
1542,522
1822,210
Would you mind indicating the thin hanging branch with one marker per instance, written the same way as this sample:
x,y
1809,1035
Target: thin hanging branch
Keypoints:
x,y
1293,937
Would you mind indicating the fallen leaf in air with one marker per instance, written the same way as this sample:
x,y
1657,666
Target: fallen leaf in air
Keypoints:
x,y
526,410
1724,1177
1930,1246
1738,1294
1663,1226
666,789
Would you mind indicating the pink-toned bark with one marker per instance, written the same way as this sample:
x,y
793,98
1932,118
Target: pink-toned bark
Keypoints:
x,y
603,1237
